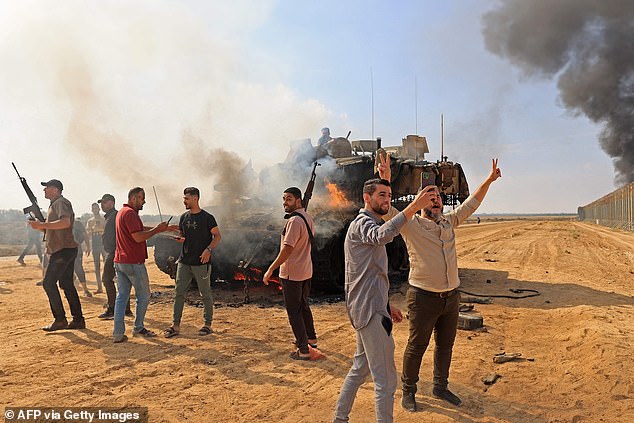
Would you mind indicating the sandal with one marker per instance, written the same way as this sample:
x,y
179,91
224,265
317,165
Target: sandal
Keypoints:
x,y
309,344
169,332
205,330
296,355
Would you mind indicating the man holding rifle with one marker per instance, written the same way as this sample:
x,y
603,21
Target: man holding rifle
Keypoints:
x,y
62,248
296,272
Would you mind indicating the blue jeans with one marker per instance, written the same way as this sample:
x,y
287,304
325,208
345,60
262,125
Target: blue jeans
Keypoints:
x,y
128,276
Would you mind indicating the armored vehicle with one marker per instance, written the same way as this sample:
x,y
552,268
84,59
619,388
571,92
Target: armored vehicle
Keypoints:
x,y
250,237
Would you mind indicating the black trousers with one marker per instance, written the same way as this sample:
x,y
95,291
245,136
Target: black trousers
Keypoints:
x,y
108,281
60,269
299,315
97,253
429,312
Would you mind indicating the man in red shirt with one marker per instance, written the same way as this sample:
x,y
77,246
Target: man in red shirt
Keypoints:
x,y
129,263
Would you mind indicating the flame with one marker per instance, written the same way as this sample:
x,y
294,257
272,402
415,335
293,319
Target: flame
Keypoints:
x,y
337,197
253,274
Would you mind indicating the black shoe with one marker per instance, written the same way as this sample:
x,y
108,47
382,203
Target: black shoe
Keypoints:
x,y
56,325
77,324
21,261
107,315
447,395
409,401
128,313
40,283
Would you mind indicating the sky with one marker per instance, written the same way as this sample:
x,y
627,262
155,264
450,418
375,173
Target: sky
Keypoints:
x,y
107,95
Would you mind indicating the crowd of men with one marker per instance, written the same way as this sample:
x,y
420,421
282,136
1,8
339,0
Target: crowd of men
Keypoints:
x,y
432,296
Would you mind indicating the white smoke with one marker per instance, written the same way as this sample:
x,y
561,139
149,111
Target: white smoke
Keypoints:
x,y
106,90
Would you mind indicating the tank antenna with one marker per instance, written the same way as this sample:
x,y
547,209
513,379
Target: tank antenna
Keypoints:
x,y
416,102
372,99
442,136
157,203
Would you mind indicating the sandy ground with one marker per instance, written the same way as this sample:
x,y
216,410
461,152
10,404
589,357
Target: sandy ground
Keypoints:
x,y
579,335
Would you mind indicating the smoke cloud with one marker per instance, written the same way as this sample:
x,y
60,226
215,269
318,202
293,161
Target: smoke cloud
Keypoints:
x,y
153,93
588,46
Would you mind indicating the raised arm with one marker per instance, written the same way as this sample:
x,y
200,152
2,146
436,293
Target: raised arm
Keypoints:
x,y
495,173
422,200
385,171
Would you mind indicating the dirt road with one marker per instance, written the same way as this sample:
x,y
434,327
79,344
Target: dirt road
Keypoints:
x,y
579,335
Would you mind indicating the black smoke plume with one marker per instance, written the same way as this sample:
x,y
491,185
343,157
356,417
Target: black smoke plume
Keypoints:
x,y
588,45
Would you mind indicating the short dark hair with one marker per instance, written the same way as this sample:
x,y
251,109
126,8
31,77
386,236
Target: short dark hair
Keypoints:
x,y
370,185
192,191
134,192
294,191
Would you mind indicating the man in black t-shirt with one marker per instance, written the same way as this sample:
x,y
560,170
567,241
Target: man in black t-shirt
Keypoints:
x,y
199,235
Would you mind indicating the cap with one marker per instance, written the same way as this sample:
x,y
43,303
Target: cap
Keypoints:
x,y
54,183
106,197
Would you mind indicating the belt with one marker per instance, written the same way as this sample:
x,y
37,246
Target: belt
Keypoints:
x,y
442,294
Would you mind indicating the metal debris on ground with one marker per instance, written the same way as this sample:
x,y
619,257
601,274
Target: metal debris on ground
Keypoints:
x,y
469,321
475,300
491,378
504,357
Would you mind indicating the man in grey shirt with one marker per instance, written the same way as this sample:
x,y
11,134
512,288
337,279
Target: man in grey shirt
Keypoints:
x,y
366,286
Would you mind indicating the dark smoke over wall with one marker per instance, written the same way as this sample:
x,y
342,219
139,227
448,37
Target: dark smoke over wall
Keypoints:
x,y
589,46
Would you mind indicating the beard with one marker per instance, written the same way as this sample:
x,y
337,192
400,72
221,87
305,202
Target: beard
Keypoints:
x,y
378,210
435,216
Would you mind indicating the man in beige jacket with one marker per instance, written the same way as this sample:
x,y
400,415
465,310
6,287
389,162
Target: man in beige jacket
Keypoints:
x,y
432,296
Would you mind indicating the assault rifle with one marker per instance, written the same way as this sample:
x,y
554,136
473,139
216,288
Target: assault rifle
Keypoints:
x,y
311,185
33,210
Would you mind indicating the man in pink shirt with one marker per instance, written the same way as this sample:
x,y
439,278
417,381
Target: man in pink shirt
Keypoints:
x,y
296,271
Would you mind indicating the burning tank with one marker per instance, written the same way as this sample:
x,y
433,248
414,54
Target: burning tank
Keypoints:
x,y
338,169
